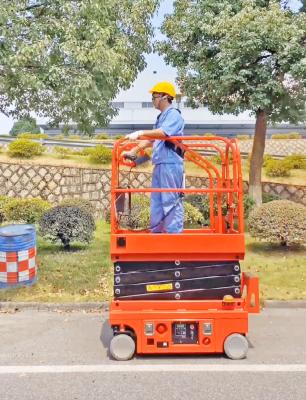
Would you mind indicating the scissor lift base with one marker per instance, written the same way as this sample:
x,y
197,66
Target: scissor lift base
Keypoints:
x,y
164,327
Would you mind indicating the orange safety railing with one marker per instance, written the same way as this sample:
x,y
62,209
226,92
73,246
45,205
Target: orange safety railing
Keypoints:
x,y
224,189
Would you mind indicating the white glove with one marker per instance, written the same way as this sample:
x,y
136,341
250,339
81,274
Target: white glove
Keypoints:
x,y
134,135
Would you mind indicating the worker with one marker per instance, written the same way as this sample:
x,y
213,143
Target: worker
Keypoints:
x,y
167,213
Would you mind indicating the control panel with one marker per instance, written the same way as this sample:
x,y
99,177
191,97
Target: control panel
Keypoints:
x,y
185,332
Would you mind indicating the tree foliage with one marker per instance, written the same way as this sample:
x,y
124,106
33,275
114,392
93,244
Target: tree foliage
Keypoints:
x,y
303,8
240,55
67,60
24,125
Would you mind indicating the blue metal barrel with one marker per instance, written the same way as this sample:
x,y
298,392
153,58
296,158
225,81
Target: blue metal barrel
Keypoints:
x,y
17,255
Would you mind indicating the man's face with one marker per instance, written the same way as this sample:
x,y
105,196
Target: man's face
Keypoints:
x,y
156,99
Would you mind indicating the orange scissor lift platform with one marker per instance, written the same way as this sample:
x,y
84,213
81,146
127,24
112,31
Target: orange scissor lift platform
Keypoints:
x,y
182,293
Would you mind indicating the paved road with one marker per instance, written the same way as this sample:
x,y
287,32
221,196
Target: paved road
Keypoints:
x,y
56,355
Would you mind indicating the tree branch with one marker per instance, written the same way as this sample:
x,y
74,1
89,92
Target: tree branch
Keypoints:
x,y
3,112
33,6
263,57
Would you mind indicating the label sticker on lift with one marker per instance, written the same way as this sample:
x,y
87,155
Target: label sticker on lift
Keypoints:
x,y
159,288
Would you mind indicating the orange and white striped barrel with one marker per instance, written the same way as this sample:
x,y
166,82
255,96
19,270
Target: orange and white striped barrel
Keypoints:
x,y
17,255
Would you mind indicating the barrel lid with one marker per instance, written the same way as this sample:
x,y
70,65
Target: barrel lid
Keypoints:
x,y
16,229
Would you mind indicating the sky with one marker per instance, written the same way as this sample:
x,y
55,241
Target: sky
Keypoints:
x,y
156,70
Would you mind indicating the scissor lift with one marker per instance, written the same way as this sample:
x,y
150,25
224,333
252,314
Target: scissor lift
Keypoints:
x,y
182,293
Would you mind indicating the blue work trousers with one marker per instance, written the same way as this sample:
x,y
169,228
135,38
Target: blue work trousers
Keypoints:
x,y
167,212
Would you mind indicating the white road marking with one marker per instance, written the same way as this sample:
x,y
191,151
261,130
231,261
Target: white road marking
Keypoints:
x,y
123,367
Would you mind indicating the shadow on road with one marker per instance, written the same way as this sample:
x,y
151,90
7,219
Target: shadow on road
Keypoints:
x,y
106,336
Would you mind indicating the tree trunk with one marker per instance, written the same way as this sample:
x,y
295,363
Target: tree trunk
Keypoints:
x,y
256,161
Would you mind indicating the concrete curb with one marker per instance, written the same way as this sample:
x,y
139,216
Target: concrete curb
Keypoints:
x,y
20,306
104,306
285,304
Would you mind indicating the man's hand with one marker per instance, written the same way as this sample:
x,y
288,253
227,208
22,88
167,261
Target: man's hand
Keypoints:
x,y
130,155
134,135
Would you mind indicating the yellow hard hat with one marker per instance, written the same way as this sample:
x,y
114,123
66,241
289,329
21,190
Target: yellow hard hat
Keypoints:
x,y
164,87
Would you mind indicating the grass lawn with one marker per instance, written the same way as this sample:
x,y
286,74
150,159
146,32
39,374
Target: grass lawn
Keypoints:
x,y
281,272
85,274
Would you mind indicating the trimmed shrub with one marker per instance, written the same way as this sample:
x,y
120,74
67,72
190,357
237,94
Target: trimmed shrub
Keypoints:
x,y
277,168
279,221
296,161
101,136
139,218
67,224
192,216
75,137
4,200
100,155
25,148
201,203
59,137
25,210
117,137
80,203
29,135
243,137
216,159
62,152
266,159
290,135
84,152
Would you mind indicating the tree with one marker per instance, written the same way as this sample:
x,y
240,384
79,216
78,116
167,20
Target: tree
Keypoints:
x,y
66,60
240,55
27,124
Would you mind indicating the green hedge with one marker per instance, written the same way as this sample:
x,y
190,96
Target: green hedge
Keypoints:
x,y
29,135
277,168
101,136
4,200
100,155
25,148
25,210
75,137
290,135
139,217
62,152
296,161
243,137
